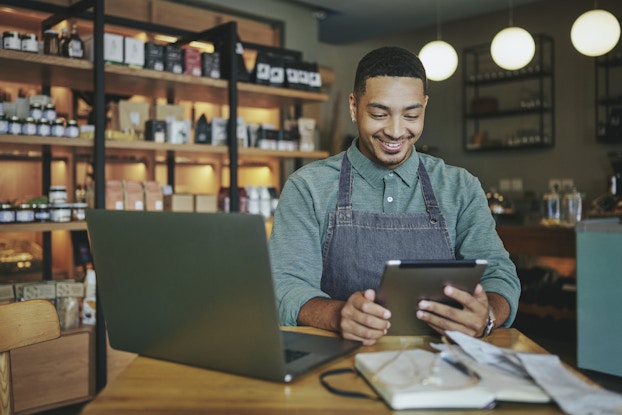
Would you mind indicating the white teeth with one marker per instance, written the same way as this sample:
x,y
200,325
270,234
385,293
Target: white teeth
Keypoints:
x,y
392,144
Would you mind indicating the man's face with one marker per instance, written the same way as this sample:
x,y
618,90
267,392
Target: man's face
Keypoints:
x,y
390,118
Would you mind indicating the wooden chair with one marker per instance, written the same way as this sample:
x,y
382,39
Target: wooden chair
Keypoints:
x,y
22,324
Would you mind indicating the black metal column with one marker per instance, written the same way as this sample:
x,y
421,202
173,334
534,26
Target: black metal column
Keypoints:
x,y
99,159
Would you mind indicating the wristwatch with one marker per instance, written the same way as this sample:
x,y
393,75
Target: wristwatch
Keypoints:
x,y
490,324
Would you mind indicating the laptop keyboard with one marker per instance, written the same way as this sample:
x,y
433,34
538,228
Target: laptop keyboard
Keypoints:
x,y
291,355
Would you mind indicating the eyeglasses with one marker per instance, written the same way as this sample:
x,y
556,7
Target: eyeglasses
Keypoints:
x,y
411,367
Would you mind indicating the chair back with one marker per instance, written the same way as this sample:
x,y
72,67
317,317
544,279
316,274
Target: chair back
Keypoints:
x,y
22,324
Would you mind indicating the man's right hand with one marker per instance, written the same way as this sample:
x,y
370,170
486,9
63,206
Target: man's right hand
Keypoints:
x,y
362,319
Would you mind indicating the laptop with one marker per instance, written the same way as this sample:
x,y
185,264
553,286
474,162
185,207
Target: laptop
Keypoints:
x,y
196,288
405,282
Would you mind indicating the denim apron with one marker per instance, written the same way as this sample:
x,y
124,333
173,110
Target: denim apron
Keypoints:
x,y
359,243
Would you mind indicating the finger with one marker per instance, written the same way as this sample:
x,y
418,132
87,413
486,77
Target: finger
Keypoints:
x,y
441,324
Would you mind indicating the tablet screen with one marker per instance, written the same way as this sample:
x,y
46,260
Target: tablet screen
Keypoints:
x,y
405,282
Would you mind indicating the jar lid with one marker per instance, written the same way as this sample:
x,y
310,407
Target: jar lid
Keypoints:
x,y
43,121
25,206
80,205
58,121
30,120
50,32
52,188
15,118
29,36
49,105
10,33
40,205
6,206
35,105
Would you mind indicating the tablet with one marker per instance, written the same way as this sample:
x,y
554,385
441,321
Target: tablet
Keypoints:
x,y
405,282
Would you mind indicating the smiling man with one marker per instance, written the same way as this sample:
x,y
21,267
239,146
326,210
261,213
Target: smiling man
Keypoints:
x,y
340,219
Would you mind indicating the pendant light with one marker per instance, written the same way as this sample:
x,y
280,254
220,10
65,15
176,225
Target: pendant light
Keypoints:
x,y
439,58
595,32
513,47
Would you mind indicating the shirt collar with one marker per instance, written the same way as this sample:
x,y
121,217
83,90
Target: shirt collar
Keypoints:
x,y
374,173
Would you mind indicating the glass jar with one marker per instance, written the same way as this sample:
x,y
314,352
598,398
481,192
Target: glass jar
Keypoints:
x,y
24,213
4,124
11,40
57,194
7,213
49,112
29,126
60,212
58,128
44,128
72,130
35,111
50,42
29,43
42,212
68,308
78,211
15,125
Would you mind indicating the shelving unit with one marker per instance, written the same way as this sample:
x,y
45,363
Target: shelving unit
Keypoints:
x,y
101,79
508,109
608,91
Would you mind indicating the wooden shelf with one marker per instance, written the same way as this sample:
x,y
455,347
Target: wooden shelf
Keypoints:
x,y
43,226
122,80
28,141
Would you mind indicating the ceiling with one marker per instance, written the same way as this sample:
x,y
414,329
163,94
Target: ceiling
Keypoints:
x,y
347,21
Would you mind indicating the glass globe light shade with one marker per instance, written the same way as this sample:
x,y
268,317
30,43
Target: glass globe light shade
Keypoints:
x,y
595,32
439,59
512,48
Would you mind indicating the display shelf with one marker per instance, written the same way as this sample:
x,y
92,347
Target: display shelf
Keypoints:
x,y
9,141
123,80
505,109
608,91
42,227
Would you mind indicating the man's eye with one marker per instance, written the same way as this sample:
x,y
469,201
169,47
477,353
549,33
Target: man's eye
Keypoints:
x,y
378,115
411,117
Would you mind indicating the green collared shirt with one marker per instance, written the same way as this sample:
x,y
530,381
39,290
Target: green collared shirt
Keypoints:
x,y
310,194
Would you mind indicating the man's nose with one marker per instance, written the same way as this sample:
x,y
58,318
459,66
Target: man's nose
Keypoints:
x,y
395,127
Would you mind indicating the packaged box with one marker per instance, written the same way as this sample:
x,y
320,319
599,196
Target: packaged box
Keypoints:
x,y
205,203
113,48
132,117
154,56
134,52
173,59
154,199
155,130
210,64
114,195
7,293
39,291
133,196
192,62
164,111
178,132
179,202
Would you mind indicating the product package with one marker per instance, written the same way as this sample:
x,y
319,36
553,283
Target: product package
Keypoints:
x,y
173,59
133,196
114,195
134,52
154,199
192,61
154,56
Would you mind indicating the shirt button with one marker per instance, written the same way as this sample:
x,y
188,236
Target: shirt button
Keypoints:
x,y
391,174
389,199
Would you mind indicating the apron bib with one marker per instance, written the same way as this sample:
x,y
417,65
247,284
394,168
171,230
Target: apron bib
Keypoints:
x,y
359,243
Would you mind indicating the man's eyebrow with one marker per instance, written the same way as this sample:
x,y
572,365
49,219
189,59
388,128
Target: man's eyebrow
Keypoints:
x,y
386,108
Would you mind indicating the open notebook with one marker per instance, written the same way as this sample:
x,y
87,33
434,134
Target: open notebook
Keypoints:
x,y
196,288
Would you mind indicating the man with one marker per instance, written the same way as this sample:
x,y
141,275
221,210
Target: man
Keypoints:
x,y
339,219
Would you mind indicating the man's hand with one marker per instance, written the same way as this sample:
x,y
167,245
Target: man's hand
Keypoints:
x,y
471,319
364,320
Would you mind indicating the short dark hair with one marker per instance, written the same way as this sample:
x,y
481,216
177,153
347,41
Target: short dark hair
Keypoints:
x,y
388,61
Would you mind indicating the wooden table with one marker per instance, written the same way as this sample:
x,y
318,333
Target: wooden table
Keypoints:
x,y
150,386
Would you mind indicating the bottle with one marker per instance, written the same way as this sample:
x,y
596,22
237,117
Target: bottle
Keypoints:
x,y
75,46
572,207
89,305
551,212
253,200
265,202
63,42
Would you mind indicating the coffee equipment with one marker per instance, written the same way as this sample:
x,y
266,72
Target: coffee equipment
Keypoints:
x,y
610,203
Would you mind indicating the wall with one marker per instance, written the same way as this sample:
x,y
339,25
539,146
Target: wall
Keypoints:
x,y
576,154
